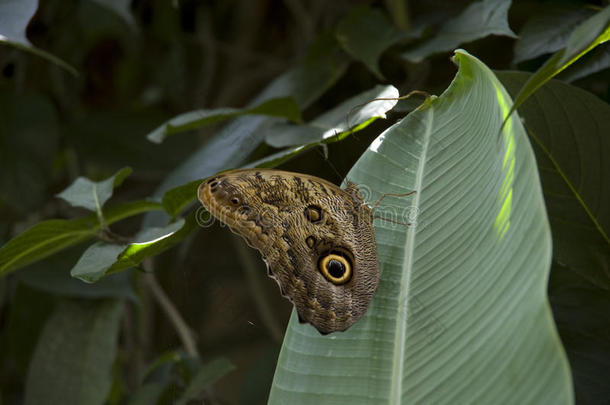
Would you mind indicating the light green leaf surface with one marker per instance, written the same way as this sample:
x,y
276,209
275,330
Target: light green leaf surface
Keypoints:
x,y
207,375
460,315
353,114
584,38
478,20
48,237
365,33
72,363
14,18
283,107
92,195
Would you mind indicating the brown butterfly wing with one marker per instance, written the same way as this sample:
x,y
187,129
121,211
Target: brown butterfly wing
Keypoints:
x,y
317,239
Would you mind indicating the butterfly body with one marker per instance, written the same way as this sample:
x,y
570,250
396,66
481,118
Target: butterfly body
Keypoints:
x,y
316,239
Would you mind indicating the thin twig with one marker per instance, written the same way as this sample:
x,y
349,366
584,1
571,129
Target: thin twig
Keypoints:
x,y
184,332
256,289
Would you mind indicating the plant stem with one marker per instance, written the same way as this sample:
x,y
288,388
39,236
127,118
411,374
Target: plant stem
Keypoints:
x,y
184,332
256,289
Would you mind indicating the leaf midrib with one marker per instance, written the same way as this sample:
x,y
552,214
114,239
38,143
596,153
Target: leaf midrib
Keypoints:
x,y
401,324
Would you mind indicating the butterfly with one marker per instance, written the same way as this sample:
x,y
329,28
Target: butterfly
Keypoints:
x,y
317,239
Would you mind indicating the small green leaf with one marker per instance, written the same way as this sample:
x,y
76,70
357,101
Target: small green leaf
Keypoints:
x,y
207,375
283,107
153,241
353,114
101,258
365,33
72,363
91,194
94,262
48,237
478,20
584,38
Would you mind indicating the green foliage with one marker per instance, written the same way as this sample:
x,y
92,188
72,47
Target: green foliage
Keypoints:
x,y
460,314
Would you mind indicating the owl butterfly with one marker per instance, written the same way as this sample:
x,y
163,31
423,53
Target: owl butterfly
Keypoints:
x,y
316,239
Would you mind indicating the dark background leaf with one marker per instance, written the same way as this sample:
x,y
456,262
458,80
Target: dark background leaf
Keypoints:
x,y
569,128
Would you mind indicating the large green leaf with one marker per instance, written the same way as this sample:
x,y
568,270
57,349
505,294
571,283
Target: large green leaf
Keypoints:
x,y
72,363
460,315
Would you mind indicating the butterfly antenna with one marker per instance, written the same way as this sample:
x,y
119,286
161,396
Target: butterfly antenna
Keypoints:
x,y
393,195
324,153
